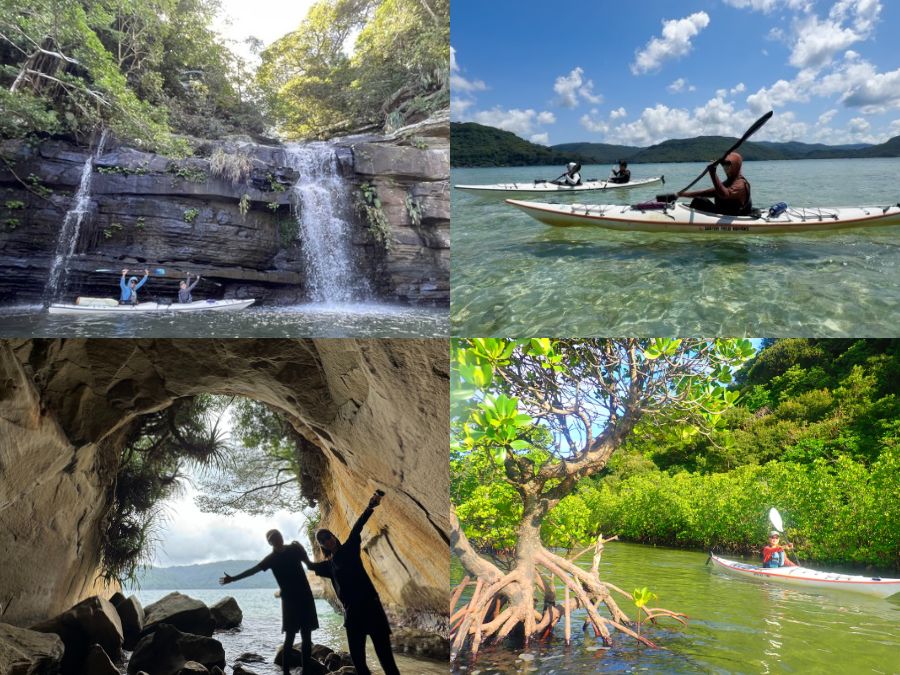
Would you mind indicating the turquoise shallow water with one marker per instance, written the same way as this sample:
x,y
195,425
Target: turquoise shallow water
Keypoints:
x,y
260,631
515,276
735,625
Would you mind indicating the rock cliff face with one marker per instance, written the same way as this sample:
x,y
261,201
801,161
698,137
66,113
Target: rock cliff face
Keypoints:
x,y
147,209
374,414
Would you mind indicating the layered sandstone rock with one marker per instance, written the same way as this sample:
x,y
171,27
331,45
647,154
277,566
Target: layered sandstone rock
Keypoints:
x,y
147,209
28,652
373,413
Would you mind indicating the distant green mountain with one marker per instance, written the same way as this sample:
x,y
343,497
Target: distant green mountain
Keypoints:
x,y
479,145
206,575
598,153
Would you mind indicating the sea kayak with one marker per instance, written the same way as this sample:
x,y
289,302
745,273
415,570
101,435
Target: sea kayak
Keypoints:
x,y
802,576
544,187
680,217
107,306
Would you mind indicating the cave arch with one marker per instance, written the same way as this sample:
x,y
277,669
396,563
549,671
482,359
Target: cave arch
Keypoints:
x,y
376,410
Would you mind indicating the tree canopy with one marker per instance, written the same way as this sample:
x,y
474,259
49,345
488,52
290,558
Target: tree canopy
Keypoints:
x,y
142,68
353,64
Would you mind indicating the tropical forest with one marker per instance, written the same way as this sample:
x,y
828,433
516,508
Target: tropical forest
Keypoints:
x,y
562,446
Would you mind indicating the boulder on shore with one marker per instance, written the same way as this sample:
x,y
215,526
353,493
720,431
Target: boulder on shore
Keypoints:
x,y
131,614
226,613
166,650
97,662
91,621
420,643
116,598
29,652
178,610
193,668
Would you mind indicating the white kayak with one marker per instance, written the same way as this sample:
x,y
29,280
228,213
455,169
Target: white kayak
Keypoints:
x,y
544,187
107,306
802,576
680,217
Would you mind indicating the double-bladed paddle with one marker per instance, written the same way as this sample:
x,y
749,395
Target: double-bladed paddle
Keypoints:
x,y
757,125
778,524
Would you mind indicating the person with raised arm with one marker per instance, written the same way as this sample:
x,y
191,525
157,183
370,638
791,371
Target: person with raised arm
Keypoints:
x,y
298,608
363,613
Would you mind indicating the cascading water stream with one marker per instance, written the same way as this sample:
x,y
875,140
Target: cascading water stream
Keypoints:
x,y
71,226
321,206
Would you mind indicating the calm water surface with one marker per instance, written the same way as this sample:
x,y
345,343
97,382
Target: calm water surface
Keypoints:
x,y
313,320
735,625
515,276
260,631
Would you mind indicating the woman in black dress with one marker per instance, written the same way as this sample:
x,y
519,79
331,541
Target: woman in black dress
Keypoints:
x,y
298,608
363,613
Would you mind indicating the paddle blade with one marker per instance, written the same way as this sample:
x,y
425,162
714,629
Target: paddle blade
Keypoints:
x,y
757,125
159,271
775,519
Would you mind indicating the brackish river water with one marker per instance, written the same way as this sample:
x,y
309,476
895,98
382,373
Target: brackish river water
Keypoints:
x,y
313,320
515,276
260,631
735,625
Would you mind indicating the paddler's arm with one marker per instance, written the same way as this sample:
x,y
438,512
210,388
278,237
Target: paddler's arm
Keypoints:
x,y
227,579
716,190
122,283
143,280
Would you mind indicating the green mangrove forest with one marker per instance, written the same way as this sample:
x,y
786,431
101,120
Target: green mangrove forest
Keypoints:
x,y
682,443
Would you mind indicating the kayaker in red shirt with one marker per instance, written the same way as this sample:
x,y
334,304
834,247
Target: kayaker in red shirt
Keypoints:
x,y
731,196
774,554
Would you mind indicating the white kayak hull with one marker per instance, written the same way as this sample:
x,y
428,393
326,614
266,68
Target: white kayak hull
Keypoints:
x,y
548,188
801,576
153,307
681,218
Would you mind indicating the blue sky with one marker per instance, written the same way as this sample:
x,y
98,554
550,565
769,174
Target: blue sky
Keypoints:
x,y
638,73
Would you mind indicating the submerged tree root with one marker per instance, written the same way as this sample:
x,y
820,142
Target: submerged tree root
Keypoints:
x,y
507,602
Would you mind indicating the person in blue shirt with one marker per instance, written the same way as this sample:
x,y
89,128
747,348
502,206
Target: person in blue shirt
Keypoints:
x,y
185,288
129,291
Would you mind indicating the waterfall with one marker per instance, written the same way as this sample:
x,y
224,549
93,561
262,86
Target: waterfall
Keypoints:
x,y
71,226
321,207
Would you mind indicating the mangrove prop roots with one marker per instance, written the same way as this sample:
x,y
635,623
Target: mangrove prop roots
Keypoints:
x,y
501,603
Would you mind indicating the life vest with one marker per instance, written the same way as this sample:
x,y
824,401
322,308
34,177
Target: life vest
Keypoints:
x,y
728,207
773,556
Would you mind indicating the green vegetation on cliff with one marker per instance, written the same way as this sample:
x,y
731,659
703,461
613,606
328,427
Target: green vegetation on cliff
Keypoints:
x,y
151,70
142,68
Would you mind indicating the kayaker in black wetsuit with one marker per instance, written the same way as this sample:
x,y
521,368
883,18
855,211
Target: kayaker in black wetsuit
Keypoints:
x,y
622,175
363,613
185,288
732,196
298,608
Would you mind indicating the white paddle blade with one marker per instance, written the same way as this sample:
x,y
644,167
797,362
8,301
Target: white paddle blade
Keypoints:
x,y
775,519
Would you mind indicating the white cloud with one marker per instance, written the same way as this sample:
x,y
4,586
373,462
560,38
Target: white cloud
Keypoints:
x,y
460,83
594,125
674,43
858,125
769,5
572,86
188,536
816,40
520,122
618,113
541,139
680,85
826,117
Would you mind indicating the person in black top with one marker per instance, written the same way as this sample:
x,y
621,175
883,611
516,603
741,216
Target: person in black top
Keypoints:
x,y
298,608
622,175
363,613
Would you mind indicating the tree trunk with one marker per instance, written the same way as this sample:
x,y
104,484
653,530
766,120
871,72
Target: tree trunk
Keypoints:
x,y
506,604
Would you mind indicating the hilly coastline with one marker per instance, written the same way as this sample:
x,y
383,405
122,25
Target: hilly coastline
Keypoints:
x,y
478,145
204,575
